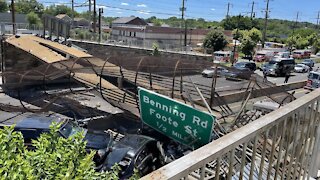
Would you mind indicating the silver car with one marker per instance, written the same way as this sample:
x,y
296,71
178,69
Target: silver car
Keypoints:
x,y
301,68
210,71
313,80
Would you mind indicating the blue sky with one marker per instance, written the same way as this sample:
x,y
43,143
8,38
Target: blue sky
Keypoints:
x,y
207,9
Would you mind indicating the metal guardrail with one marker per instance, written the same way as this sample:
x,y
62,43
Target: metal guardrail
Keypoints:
x,y
281,145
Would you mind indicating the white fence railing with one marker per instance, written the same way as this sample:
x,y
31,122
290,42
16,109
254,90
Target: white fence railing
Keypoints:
x,y
281,145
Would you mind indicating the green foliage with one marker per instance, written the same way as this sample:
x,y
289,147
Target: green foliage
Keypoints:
x,y
298,42
215,40
3,6
13,163
157,22
155,50
86,15
241,22
54,157
33,18
249,40
60,9
27,6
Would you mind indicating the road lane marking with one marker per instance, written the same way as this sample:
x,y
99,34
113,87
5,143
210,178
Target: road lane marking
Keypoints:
x,y
223,87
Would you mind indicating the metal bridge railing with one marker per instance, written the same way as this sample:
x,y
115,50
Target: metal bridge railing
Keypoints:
x,y
281,145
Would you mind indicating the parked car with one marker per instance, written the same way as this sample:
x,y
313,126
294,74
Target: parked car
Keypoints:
x,y
308,62
282,55
301,54
223,56
262,56
313,81
301,68
250,65
209,72
241,70
278,67
318,54
130,152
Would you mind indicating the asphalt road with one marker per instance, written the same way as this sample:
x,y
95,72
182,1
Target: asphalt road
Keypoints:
x,y
226,86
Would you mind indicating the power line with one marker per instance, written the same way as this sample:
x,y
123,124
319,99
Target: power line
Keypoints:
x,y
265,25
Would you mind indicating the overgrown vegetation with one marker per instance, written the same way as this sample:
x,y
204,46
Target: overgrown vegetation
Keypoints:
x,y
53,157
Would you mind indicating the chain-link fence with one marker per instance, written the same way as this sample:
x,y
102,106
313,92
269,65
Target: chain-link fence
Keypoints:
x,y
21,28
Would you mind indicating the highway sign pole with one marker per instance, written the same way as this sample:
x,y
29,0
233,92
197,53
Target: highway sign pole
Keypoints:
x,y
174,119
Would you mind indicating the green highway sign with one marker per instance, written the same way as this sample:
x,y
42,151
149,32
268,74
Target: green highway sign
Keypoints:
x,y
176,120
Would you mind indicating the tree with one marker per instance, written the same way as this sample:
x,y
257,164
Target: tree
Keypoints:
x,y
242,22
54,157
249,40
215,40
27,6
33,18
150,19
3,6
60,9
297,41
157,22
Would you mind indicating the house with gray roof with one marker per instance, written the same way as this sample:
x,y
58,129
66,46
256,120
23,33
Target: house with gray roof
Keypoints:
x,y
129,22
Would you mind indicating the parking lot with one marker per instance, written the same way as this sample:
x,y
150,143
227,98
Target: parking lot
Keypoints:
x,y
226,85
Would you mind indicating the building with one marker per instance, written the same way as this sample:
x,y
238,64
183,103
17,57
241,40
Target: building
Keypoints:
x,y
129,22
136,32
165,37
81,23
64,17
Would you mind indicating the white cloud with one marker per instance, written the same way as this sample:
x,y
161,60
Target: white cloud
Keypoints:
x,y
119,12
144,12
142,5
213,9
101,7
124,4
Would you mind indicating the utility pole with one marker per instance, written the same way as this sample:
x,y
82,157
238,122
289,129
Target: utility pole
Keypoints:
x,y
235,41
72,14
265,25
183,9
293,29
296,22
100,16
252,9
90,5
228,10
318,18
13,18
94,16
